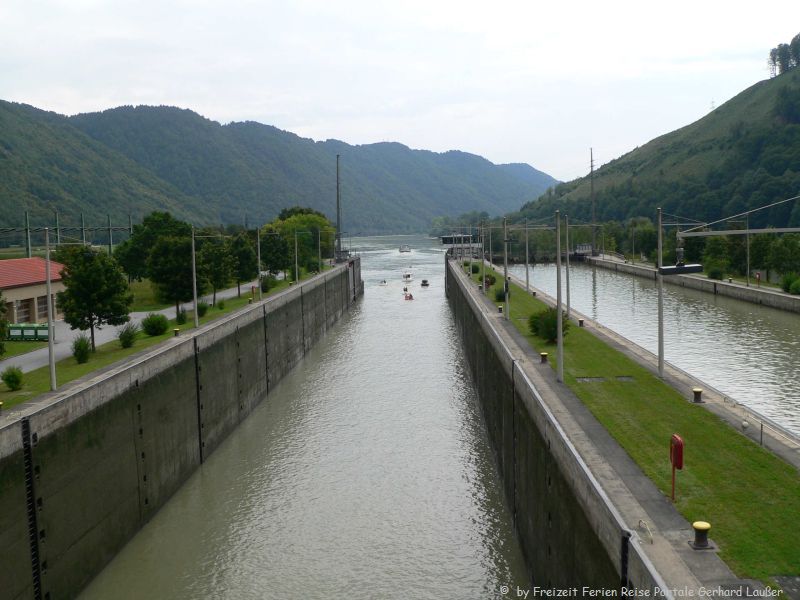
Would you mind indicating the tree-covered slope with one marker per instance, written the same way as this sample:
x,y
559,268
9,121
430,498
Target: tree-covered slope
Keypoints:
x,y
46,165
743,155
254,169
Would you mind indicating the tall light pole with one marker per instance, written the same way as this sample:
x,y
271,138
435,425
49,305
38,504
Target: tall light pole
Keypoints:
x,y
507,291
338,214
660,301
258,254
483,258
296,268
566,225
50,329
559,324
527,279
194,284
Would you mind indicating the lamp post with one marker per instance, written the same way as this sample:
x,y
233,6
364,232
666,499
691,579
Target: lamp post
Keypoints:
x,y
527,280
296,264
566,224
258,254
660,278
194,284
559,324
506,294
50,329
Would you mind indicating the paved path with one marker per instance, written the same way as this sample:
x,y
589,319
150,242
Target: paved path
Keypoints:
x,y
64,335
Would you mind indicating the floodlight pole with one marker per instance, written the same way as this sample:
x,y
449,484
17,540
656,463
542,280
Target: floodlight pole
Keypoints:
x,y
258,254
559,324
566,224
194,284
527,277
50,328
506,290
483,258
660,279
747,226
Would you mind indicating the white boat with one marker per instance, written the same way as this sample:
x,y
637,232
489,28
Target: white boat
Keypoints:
x,y
407,276
405,248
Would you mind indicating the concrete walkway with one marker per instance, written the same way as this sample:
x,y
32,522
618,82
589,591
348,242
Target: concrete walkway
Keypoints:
x,y
64,335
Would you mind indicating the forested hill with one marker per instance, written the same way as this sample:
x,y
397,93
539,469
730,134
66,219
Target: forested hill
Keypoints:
x,y
136,160
743,155
46,164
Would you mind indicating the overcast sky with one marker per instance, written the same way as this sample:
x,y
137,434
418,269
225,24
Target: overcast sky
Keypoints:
x,y
517,81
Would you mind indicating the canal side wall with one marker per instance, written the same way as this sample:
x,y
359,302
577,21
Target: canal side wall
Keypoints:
x,y
84,470
570,533
755,295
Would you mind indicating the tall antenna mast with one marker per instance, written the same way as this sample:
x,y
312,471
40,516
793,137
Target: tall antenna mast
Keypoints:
x,y
591,183
338,214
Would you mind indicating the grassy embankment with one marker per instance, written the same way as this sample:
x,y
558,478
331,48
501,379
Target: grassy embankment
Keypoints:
x,y
37,382
750,497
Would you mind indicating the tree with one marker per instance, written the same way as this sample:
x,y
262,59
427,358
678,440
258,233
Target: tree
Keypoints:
x,y
96,292
274,250
244,260
784,58
287,213
133,253
3,325
794,50
170,267
216,264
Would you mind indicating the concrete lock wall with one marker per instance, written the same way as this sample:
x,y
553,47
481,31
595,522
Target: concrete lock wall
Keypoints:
x,y
753,294
83,470
570,533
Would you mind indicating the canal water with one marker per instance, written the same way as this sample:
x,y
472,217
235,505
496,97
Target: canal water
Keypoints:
x,y
749,352
366,473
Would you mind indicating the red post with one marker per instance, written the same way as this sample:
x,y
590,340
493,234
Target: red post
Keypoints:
x,y
675,457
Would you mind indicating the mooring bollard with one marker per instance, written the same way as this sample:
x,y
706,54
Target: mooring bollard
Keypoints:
x,y
534,294
700,535
176,331
1,406
543,356
580,322
698,394
500,309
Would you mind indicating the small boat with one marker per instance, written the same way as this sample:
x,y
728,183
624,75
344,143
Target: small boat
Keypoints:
x,y
383,282
407,276
405,248
409,297
425,283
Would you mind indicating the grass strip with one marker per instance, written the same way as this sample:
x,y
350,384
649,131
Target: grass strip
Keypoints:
x,y
15,348
750,496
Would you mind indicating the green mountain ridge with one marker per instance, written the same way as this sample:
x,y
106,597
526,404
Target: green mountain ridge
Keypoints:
x,y
742,155
133,160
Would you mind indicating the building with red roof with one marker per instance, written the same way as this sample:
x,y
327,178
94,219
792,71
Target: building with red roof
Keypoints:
x,y
23,283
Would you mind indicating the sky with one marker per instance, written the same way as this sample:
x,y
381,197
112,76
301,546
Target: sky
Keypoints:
x,y
513,81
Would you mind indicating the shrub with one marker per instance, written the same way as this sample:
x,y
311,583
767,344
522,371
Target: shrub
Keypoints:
x,y
500,295
312,265
267,283
490,280
221,304
714,271
81,348
180,317
202,309
787,281
544,324
12,377
127,334
155,324
795,287
476,268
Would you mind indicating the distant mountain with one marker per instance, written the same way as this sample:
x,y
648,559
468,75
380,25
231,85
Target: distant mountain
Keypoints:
x,y
135,160
743,155
46,164
254,169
